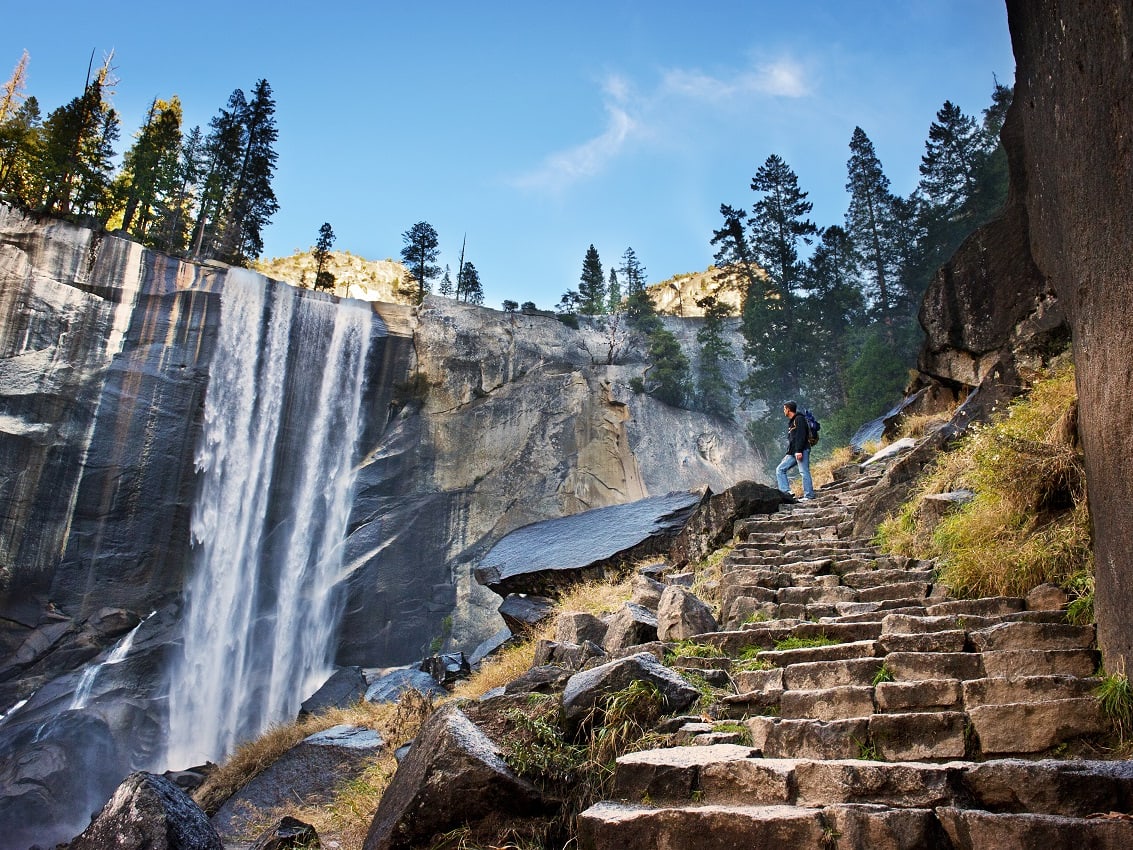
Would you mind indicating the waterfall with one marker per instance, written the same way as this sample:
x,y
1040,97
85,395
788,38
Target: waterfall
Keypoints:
x,y
282,412
117,654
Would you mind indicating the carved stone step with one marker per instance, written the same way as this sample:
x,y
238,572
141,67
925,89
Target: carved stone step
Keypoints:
x,y
1010,663
926,695
839,703
1009,636
1034,727
946,641
835,652
971,829
861,579
831,674
987,606
1000,691
916,666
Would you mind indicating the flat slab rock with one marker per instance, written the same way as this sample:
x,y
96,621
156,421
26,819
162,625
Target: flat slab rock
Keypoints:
x,y
543,554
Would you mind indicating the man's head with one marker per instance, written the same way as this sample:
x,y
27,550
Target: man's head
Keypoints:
x,y
790,408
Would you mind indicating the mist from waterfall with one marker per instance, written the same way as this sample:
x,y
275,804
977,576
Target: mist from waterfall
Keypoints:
x,y
276,466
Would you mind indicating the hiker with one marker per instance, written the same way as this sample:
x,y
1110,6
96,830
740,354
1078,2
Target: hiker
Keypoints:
x,y
798,451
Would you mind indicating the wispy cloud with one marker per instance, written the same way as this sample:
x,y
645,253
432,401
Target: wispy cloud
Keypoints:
x,y
566,167
631,116
784,78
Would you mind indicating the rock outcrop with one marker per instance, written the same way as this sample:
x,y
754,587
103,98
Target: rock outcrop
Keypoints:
x,y
1074,99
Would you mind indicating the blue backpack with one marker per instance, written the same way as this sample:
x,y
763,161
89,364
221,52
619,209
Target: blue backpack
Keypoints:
x,y
813,424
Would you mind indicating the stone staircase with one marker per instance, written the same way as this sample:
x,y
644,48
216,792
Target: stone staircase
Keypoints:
x,y
879,712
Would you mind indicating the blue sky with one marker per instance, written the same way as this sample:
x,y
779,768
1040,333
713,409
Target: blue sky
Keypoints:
x,y
538,128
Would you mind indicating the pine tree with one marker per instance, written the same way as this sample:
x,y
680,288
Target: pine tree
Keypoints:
x,y
420,256
592,284
735,265
641,312
471,290
174,213
252,202
613,292
446,288
712,391
668,374
150,169
947,178
76,158
223,151
778,224
20,142
870,219
12,94
321,254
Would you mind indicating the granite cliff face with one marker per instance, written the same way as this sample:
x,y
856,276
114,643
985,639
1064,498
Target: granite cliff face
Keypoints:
x,y
1055,266
1074,92
117,367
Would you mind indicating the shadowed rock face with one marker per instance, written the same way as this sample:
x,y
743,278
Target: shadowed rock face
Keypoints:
x,y
1074,92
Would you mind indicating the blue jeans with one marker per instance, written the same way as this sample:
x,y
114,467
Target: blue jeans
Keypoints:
x,y
790,461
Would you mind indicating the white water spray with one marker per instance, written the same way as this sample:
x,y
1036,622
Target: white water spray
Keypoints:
x,y
282,413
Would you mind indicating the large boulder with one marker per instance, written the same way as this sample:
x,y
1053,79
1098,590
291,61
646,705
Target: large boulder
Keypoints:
x,y
545,556
711,525
681,615
631,625
304,775
149,812
584,690
453,776
345,686
1074,102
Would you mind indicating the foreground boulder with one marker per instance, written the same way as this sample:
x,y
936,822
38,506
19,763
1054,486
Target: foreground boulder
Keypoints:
x,y
304,775
453,776
288,834
584,690
711,525
149,812
680,615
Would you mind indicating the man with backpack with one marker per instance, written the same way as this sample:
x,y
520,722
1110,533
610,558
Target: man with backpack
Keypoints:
x,y
798,451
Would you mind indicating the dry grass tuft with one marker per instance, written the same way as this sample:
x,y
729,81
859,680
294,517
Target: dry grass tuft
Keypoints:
x,y
822,472
1028,522
347,817
595,597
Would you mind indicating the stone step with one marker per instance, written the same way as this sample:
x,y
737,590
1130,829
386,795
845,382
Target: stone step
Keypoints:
x,y
1013,663
945,641
834,652
830,674
736,774
1024,689
971,829
861,579
1035,727
623,826
1023,635
838,703
987,606
919,666
910,736
848,632
925,695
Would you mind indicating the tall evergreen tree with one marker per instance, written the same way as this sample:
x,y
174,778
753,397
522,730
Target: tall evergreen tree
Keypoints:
x,y
947,178
613,292
252,202
420,257
592,284
446,288
641,312
150,169
778,224
76,156
223,154
471,290
321,253
712,392
20,141
736,267
12,93
870,218
174,215
669,373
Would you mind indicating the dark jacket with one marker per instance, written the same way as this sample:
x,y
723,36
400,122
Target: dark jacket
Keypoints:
x,y
798,435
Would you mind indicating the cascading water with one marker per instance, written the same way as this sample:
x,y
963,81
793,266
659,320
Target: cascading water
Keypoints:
x,y
282,413
117,655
